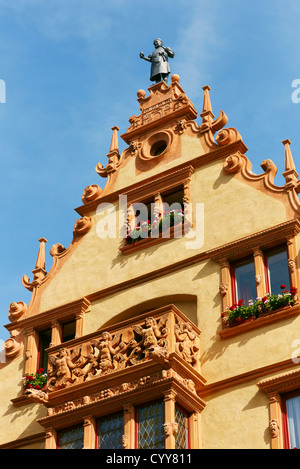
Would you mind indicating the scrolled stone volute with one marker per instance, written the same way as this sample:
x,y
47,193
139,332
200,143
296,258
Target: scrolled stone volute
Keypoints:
x,y
83,225
226,136
90,193
16,310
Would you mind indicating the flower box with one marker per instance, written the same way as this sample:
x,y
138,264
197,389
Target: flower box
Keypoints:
x,y
35,380
154,230
239,313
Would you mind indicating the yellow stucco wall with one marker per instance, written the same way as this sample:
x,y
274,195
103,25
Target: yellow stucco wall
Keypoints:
x,y
97,264
237,418
16,422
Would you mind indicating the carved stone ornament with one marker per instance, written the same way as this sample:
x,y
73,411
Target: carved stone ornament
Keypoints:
x,y
291,264
274,428
223,289
171,428
109,353
83,225
12,347
258,279
91,193
57,249
124,441
162,103
226,136
187,343
153,338
37,395
134,147
16,310
180,127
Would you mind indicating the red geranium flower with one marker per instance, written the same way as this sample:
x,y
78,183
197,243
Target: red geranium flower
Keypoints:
x,y
283,287
238,319
241,302
293,290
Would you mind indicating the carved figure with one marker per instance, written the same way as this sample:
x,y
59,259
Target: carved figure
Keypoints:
x,y
109,348
36,395
60,371
187,345
274,428
160,68
153,335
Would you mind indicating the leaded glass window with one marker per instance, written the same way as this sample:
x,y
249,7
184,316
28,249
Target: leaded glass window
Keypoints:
x,y
110,431
151,426
181,437
71,439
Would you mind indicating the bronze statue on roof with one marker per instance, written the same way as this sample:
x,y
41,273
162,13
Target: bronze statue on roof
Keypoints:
x,y
160,68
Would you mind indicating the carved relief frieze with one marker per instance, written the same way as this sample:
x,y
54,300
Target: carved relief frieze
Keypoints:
x,y
110,352
187,342
154,338
163,103
112,392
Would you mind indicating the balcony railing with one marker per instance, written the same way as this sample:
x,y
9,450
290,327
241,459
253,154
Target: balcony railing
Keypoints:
x,y
157,335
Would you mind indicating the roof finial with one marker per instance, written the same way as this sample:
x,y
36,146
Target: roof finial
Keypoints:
x,y
114,146
290,174
113,155
39,271
207,114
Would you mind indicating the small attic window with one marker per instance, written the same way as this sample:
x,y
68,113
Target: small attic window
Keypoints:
x,y
156,144
68,331
158,148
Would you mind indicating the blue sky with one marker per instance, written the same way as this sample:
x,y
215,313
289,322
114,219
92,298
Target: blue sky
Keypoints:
x,y
72,71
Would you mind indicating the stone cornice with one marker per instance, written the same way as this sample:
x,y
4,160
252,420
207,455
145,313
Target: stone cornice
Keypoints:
x,y
64,312
267,237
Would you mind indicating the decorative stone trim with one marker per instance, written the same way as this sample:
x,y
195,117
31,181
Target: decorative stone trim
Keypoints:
x,y
274,388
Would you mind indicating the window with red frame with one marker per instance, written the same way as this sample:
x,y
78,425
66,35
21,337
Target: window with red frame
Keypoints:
x,y
276,269
44,343
243,281
71,438
291,420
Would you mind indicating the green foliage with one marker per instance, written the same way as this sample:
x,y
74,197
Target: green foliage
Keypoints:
x,y
148,229
239,312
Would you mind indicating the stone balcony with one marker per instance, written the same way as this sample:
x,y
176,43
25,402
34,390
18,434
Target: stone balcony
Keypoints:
x,y
154,348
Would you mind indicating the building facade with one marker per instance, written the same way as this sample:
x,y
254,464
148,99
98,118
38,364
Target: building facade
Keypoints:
x,y
172,319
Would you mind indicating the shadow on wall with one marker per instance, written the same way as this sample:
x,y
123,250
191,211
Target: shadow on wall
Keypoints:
x,y
186,303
